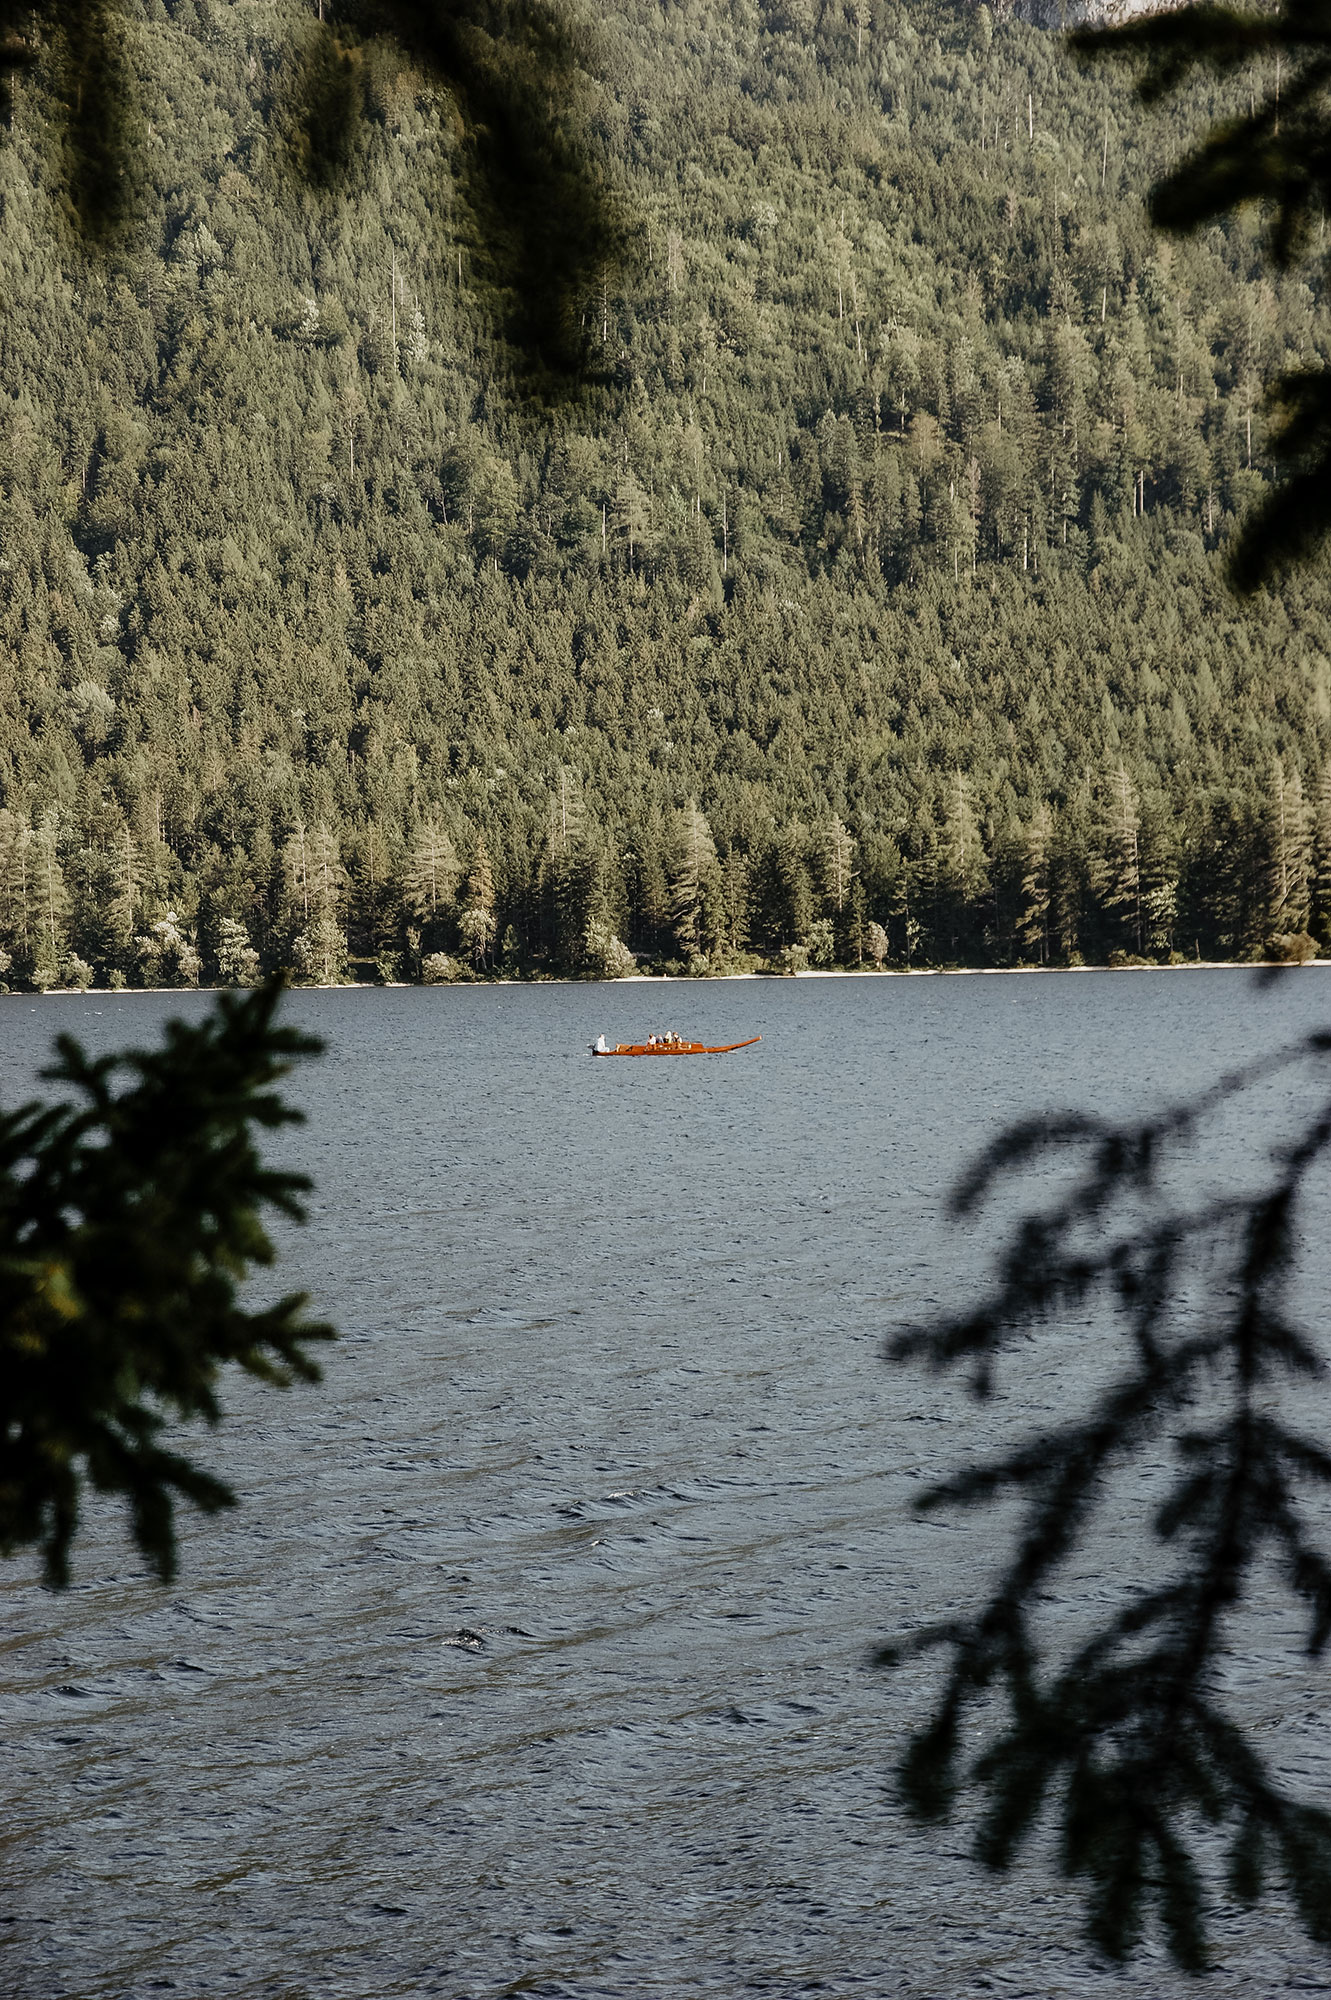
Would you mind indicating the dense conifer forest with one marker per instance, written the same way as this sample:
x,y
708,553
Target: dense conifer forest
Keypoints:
x,y
865,604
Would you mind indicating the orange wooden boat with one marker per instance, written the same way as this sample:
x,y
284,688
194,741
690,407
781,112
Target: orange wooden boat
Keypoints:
x,y
663,1048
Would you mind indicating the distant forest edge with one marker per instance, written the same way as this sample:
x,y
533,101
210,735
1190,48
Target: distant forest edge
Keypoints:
x,y
869,606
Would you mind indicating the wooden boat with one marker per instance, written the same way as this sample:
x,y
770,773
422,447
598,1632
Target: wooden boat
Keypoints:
x,y
659,1048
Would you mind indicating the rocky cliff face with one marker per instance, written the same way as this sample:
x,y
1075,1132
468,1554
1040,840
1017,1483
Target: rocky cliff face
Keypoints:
x,y
1084,13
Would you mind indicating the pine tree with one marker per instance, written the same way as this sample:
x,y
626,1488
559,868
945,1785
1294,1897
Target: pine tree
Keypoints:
x,y
632,519
126,905
328,878
314,887
1069,875
693,867
838,866
376,898
297,879
429,878
1321,859
781,898
903,917
47,931
735,902
1118,876
1036,898
963,870
567,812
650,892
319,950
417,343
1159,878
574,889
477,923
18,915
1289,853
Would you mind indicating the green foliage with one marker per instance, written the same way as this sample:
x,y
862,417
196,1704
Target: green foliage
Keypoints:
x,y
130,1211
1124,1737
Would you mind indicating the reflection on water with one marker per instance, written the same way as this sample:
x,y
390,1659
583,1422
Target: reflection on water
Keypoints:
x,y
535,1658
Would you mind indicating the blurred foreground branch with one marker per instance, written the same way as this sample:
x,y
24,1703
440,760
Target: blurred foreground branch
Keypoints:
x,y
129,1214
1125,1741
518,74
1280,157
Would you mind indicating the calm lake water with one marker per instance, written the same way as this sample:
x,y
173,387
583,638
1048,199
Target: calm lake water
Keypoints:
x,y
535,1659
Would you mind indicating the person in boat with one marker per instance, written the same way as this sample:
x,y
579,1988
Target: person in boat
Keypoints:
x,y
601,1048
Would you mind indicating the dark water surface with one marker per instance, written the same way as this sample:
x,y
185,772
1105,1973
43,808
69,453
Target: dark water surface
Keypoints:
x,y
534,1660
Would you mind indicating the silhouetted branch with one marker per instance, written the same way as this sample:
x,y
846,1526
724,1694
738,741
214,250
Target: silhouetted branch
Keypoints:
x,y
1124,1742
1279,156
518,72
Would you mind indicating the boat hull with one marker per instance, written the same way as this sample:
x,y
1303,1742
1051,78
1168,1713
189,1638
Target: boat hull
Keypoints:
x,y
675,1048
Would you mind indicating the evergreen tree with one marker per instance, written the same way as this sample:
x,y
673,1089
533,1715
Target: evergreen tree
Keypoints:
x,y
18,916
477,923
962,876
838,868
649,891
1033,924
49,903
1321,859
430,875
693,872
782,904
1118,874
315,883
1289,854
1125,1737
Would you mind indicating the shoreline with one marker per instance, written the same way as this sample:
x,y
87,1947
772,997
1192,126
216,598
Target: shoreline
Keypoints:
x,y
706,979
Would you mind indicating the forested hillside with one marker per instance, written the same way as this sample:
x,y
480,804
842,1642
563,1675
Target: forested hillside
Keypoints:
x,y
867,604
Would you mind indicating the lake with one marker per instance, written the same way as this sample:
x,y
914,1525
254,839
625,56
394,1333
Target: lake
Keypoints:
x,y
536,1658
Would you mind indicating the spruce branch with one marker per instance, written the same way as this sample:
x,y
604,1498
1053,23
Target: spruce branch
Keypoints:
x,y
130,1212
1124,1742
